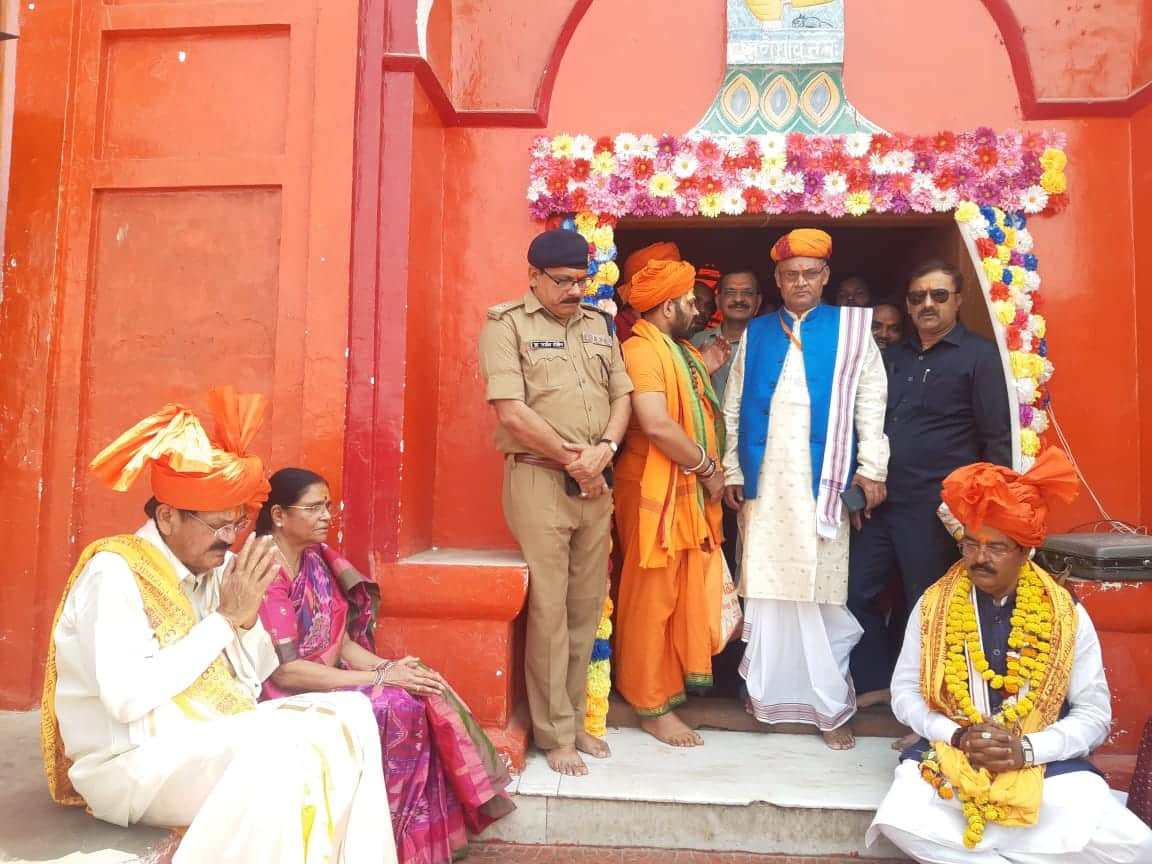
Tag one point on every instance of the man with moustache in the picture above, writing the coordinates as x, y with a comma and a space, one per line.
887, 325
157, 657
804, 413
947, 407
669, 485
1002, 679
556, 380
738, 296
705, 306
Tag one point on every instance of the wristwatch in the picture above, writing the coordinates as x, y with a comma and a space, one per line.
612, 445
1027, 752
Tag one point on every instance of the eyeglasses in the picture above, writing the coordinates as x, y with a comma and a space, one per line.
971, 548
313, 510
222, 532
792, 277
567, 283
938, 295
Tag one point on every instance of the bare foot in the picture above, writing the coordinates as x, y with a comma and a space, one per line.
565, 760
874, 697
840, 739
902, 744
671, 730
596, 747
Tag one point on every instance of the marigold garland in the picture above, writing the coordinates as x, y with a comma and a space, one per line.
1029, 647
599, 676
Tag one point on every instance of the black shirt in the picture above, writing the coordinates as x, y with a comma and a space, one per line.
947, 407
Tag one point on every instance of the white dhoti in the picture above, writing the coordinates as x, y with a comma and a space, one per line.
795, 582
1080, 822
296, 779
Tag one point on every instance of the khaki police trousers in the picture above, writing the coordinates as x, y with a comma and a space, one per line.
565, 542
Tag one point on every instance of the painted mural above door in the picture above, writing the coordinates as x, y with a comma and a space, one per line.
785, 61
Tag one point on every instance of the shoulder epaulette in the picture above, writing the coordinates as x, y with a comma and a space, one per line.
497, 311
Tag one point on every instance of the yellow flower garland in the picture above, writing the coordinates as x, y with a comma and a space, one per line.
1029, 648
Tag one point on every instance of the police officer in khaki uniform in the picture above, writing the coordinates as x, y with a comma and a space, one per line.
556, 378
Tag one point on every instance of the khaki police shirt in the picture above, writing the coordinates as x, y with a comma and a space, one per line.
568, 373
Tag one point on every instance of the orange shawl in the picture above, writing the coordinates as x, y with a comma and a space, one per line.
674, 513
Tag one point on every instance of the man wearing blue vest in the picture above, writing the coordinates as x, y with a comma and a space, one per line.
804, 410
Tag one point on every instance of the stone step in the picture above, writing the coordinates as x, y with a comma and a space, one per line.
744, 792
502, 853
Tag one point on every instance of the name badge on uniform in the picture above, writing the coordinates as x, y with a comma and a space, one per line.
598, 339
545, 343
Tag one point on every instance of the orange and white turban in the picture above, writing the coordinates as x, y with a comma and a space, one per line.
191, 470
802, 243
1017, 504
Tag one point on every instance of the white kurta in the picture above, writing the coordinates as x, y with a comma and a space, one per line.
798, 631
240, 782
1080, 820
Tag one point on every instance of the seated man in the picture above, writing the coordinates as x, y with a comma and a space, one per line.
1002, 676
156, 661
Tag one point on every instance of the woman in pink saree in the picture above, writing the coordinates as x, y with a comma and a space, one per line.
443, 775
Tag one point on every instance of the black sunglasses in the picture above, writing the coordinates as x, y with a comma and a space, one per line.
939, 295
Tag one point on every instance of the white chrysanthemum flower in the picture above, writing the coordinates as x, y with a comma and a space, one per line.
1023, 301
537, 188
1046, 375
1026, 390
857, 143
1033, 199
876, 164
835, 183
732, 145
732, 202
583, 147
541, 146
793, 182
899, 162
773, 143
1039, 423
776, 182
646, 145
685, 165
626, 145
944, 200
1026, 341
1031, 280
922, 181
1026, 463
1023, 241
976, 227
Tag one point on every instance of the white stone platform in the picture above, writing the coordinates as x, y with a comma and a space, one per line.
740, 792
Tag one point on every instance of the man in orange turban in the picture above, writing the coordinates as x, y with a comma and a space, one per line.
156, 661
1002, 677
662, 251
807, 456
668, 487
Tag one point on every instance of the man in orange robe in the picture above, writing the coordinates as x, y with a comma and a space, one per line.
668, 493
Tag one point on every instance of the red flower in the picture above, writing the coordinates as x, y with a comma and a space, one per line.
581, 168
835, 160
707, 150
603, 145
858, 181
607, 219
945, 179
882, 144
987, 249
796, 142
688, 184
1037, 302
752, 151
711, 185
1013, 339
754, 199
901, 141
1021, 318
998, 290
579, 199
986, 158
642, 168
944, 142
1058, 203
553, 222
858, 163
732, 164
1033, 142
921, 144
901, 183
557, 182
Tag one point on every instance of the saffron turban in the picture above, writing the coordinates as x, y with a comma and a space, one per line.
635, 262
190, 470
558, 248
803, 243
1017, 504
658, 281
708, 274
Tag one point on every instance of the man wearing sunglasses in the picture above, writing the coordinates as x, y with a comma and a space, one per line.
556, 380
947, 407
